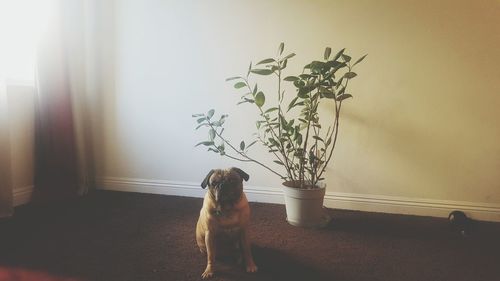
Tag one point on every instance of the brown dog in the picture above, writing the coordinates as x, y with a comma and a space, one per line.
225, 213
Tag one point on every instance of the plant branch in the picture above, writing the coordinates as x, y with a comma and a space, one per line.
241, 153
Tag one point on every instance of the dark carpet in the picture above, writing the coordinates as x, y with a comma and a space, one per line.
113, 236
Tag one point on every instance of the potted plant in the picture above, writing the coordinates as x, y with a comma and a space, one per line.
290, 127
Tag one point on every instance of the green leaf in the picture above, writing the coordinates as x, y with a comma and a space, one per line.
273, 142
201, 120
242, 145
306, 90
239, 85
299, 139
341, 92
222, 119
198, 115
335, 64
211, 134
254, 89
233, 78
249, 69
337, 56
318, 138
291, 78
346, 58
271, 109
205, 143
262, 71
201, 125
210, 113
283, 121
266, 61
328, 51
317, 65
328, 95
343, 97
328, 141
283, 65
350, 75
221, 149
292, 104
339, 83
280, 48
279, 162
260, 99
360, 59
289, 56
213, 149
252, 143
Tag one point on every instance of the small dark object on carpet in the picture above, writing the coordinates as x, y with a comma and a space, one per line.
460, 223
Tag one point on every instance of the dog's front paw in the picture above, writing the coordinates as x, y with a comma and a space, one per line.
209, 272
251, 267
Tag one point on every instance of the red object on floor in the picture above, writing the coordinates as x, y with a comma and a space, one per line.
19, 274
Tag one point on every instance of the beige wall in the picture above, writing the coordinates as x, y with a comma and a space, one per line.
422, 124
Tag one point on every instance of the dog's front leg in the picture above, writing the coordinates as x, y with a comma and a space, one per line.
247, 251
210, 244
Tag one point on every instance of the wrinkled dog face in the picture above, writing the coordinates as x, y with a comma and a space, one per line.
225, 186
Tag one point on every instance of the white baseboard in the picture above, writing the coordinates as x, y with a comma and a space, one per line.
187, 189
412, 206
22, 195
337, 200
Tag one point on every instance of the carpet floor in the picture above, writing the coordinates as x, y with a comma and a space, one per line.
114, 236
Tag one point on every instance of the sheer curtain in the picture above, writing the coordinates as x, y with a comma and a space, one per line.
55, 147
64, 165
58, 41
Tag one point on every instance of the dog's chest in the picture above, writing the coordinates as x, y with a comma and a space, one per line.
230, 230
229, 222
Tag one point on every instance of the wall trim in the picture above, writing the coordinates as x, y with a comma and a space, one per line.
22, 195
337, 200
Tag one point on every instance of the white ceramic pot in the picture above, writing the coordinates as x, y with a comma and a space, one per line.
304, 207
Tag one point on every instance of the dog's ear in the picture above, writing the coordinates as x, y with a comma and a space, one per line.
205, 182
242, 174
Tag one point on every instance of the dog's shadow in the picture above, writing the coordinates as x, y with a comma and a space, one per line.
274, 265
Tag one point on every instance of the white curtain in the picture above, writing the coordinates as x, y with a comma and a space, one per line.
5, 158
68, 65
83, 28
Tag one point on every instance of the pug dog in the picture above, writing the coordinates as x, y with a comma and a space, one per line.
225, 214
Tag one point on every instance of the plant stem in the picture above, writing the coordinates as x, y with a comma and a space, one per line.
241, 153
281, 149
336, 129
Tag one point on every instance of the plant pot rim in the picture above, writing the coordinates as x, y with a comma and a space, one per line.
291, 184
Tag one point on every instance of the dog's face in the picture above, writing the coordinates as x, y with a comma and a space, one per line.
225, 186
